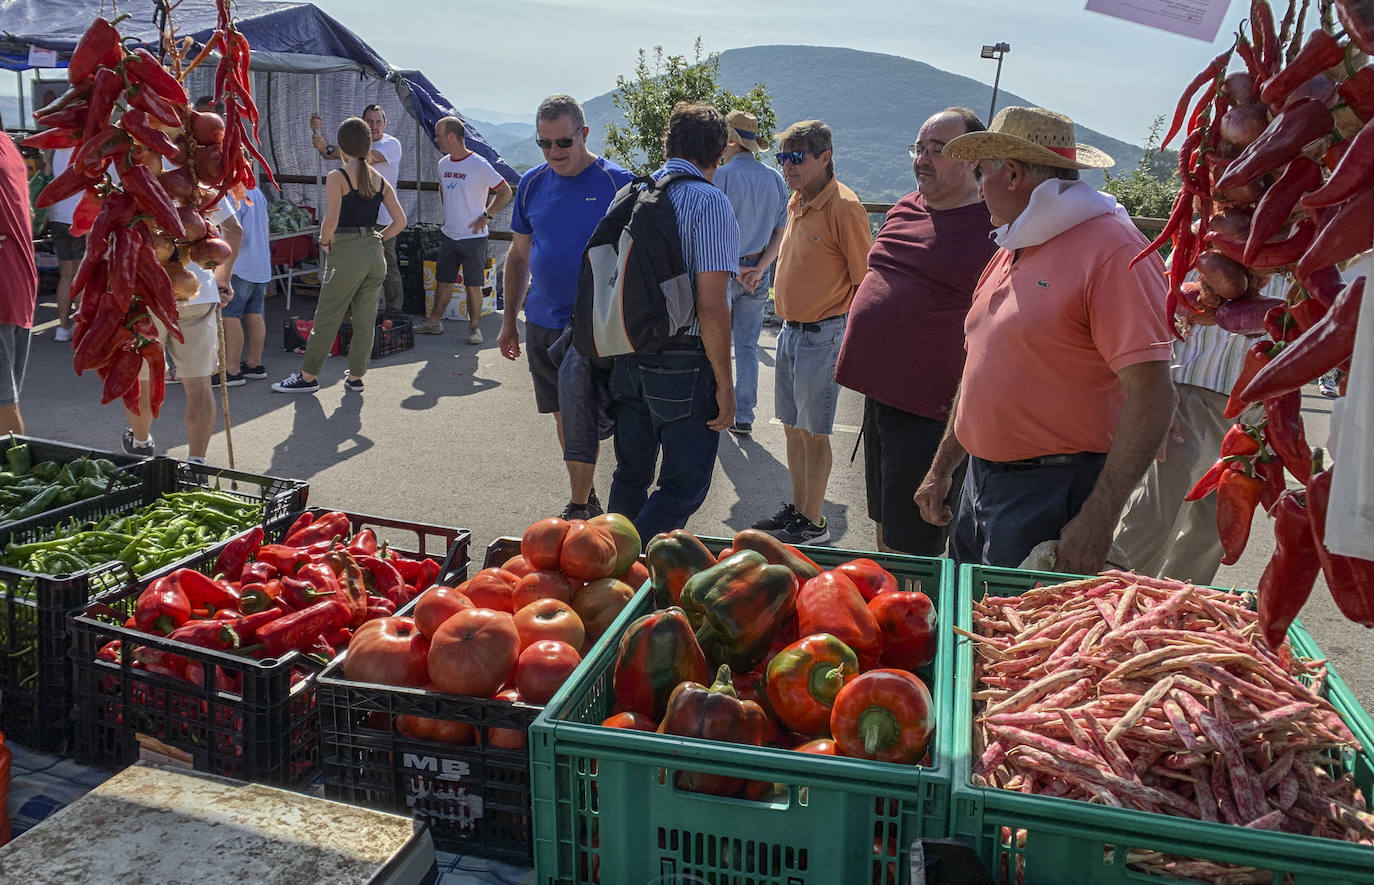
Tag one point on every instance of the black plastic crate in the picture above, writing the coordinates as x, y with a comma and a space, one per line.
129, 475
35, 675
385, 341
254, 720
475, 798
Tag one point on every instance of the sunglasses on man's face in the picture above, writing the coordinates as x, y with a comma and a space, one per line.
796, 158
546, 143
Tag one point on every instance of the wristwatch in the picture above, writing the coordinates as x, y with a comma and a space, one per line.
486, 215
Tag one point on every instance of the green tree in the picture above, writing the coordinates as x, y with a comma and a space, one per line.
1150, 188
647, 100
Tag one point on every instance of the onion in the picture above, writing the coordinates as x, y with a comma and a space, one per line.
1240, 88
1244, 123
209, 163
1320, 87
163, 248
185, 286
1231, 223
207, 128
1223, 276
1244, 195
210, 252
194, 222
179, 184
1188, 295
1245, 315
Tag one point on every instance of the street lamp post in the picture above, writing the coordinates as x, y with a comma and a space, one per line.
997, 50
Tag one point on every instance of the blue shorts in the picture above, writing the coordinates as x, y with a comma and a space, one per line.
805, 392
248, 298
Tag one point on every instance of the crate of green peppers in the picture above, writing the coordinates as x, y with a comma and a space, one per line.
57, 562
38, 476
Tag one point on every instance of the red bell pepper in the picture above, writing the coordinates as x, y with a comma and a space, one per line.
300, 522
885, 715
871, 578
657, 653
325, 527
1349, 578
364, 543
298, 631
830, 603
714, 713
203, 591
212, 634
284, 558
161, 608
736, 605
383, 579
1238, 494
1240, 440
352, 589
161, 663
907, 621
805, 677
258, 572
237, 552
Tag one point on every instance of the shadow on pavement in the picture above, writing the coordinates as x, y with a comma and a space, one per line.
448, 374
313, 433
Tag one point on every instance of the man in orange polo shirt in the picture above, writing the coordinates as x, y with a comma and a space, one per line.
1066, 393
822, 260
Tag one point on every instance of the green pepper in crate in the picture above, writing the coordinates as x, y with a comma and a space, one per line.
737, 605
19, 458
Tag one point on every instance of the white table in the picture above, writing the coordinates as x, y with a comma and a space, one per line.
287, 272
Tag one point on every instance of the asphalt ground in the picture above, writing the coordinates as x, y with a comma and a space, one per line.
447, 433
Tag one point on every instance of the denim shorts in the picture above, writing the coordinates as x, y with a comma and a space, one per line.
248, 298
805, 392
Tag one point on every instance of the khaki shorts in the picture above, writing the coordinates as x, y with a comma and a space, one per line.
198, 355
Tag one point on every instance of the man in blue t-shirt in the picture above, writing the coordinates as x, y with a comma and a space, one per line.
557, 206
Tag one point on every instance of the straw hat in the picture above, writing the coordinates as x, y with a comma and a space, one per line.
1031, 135
744, 131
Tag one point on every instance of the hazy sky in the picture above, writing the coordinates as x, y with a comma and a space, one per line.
506, 55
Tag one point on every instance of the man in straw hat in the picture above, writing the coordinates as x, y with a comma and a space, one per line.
758, 195
1065, 395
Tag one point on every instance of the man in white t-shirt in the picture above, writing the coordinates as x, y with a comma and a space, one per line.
386, 159
466, 181
197, 357
69, 249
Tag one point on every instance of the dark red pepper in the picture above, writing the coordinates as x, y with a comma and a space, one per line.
1329, 342
1354, 173
1270, 469
161, 608
1349, 578
151, 197
1284, 432
157, 367
1297, 126
85, 213
237, 552
98, 46
108, 85
1346, 233
71, 180
76, 92
1357, 91
144, 68
1238, 494
204, 591
1292, 570
1278, 202
298, 630
1320, 52
135, 122
119, 376
158, 289
1273, 253
302, 594
1259, 353
386, 581
145, 99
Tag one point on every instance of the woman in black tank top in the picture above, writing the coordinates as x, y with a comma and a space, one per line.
354, 265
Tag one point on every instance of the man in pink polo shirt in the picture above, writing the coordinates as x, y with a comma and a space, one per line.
1066, 394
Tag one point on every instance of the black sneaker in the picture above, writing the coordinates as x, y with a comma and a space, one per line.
353, 384
146, 449
594, 504
255, 372
742, 428
804, 531
577, 511
778, 521
234, 380
296, 383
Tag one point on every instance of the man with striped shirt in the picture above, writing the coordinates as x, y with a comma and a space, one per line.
679, 399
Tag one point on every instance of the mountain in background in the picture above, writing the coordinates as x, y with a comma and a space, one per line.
874, 103
491, 116
9, 111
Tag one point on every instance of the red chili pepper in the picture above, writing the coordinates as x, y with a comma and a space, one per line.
1292, 570
1278, 202
152, 198
1329, 342
364, 543
1349, 578
135, 122
1270, 469
158, 289
204, 591
144, 68
108, 85
325, 527
99, 46
301, 522
1357, 91
1320, 52
248, 627
1297, 126
1209, 74
386, 581
1284, 432
119, 376
1266, 41
1271, 254
157, 367
1254, 66
71, 180
161, 608
1182, 213
1238, 494
285, 559
1345, 234
73, 117
212, 634
237, 552
297, 631
1239, 441
1307, 312
54, 139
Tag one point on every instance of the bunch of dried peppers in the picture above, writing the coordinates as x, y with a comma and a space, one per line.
1277, 166
125, 116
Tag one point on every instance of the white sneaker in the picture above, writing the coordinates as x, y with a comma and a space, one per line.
474, 336
62, 333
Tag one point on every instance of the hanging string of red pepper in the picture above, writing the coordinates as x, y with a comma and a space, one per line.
123, 115
1277, 166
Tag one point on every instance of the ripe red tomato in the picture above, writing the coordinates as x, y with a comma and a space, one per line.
390, 651
549, 619
637, 575
517, 565
626, 538
589, 553
509, 738
491, 588
598, 603
907, 620
543, 667
632, 721
542, 542
542, 584
436, 605
474, 652
386, 325
442, 730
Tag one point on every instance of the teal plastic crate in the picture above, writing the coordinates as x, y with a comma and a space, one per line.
606, 809
1040, 840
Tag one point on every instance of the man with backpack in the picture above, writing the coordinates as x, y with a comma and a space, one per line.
670, 380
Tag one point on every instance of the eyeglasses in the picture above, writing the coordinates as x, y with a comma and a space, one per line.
935, 150
796, 158
546, 143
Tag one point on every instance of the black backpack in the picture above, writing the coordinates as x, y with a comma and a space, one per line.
634, 292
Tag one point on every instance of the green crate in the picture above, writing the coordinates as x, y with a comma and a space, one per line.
606, 809
1057, 841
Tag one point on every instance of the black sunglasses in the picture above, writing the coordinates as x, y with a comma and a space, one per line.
796, 158
546, 143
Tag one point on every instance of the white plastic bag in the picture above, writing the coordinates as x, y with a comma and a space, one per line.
1350, 518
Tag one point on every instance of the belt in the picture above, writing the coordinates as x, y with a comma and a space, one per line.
355, 230
753, 257
811, 327
1047, 461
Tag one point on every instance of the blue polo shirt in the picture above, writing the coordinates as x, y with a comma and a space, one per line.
559, 214
759, 197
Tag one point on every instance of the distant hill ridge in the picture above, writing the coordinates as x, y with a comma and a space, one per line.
873, 102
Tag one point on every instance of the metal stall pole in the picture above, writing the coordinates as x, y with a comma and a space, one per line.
419, 191
23, 117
